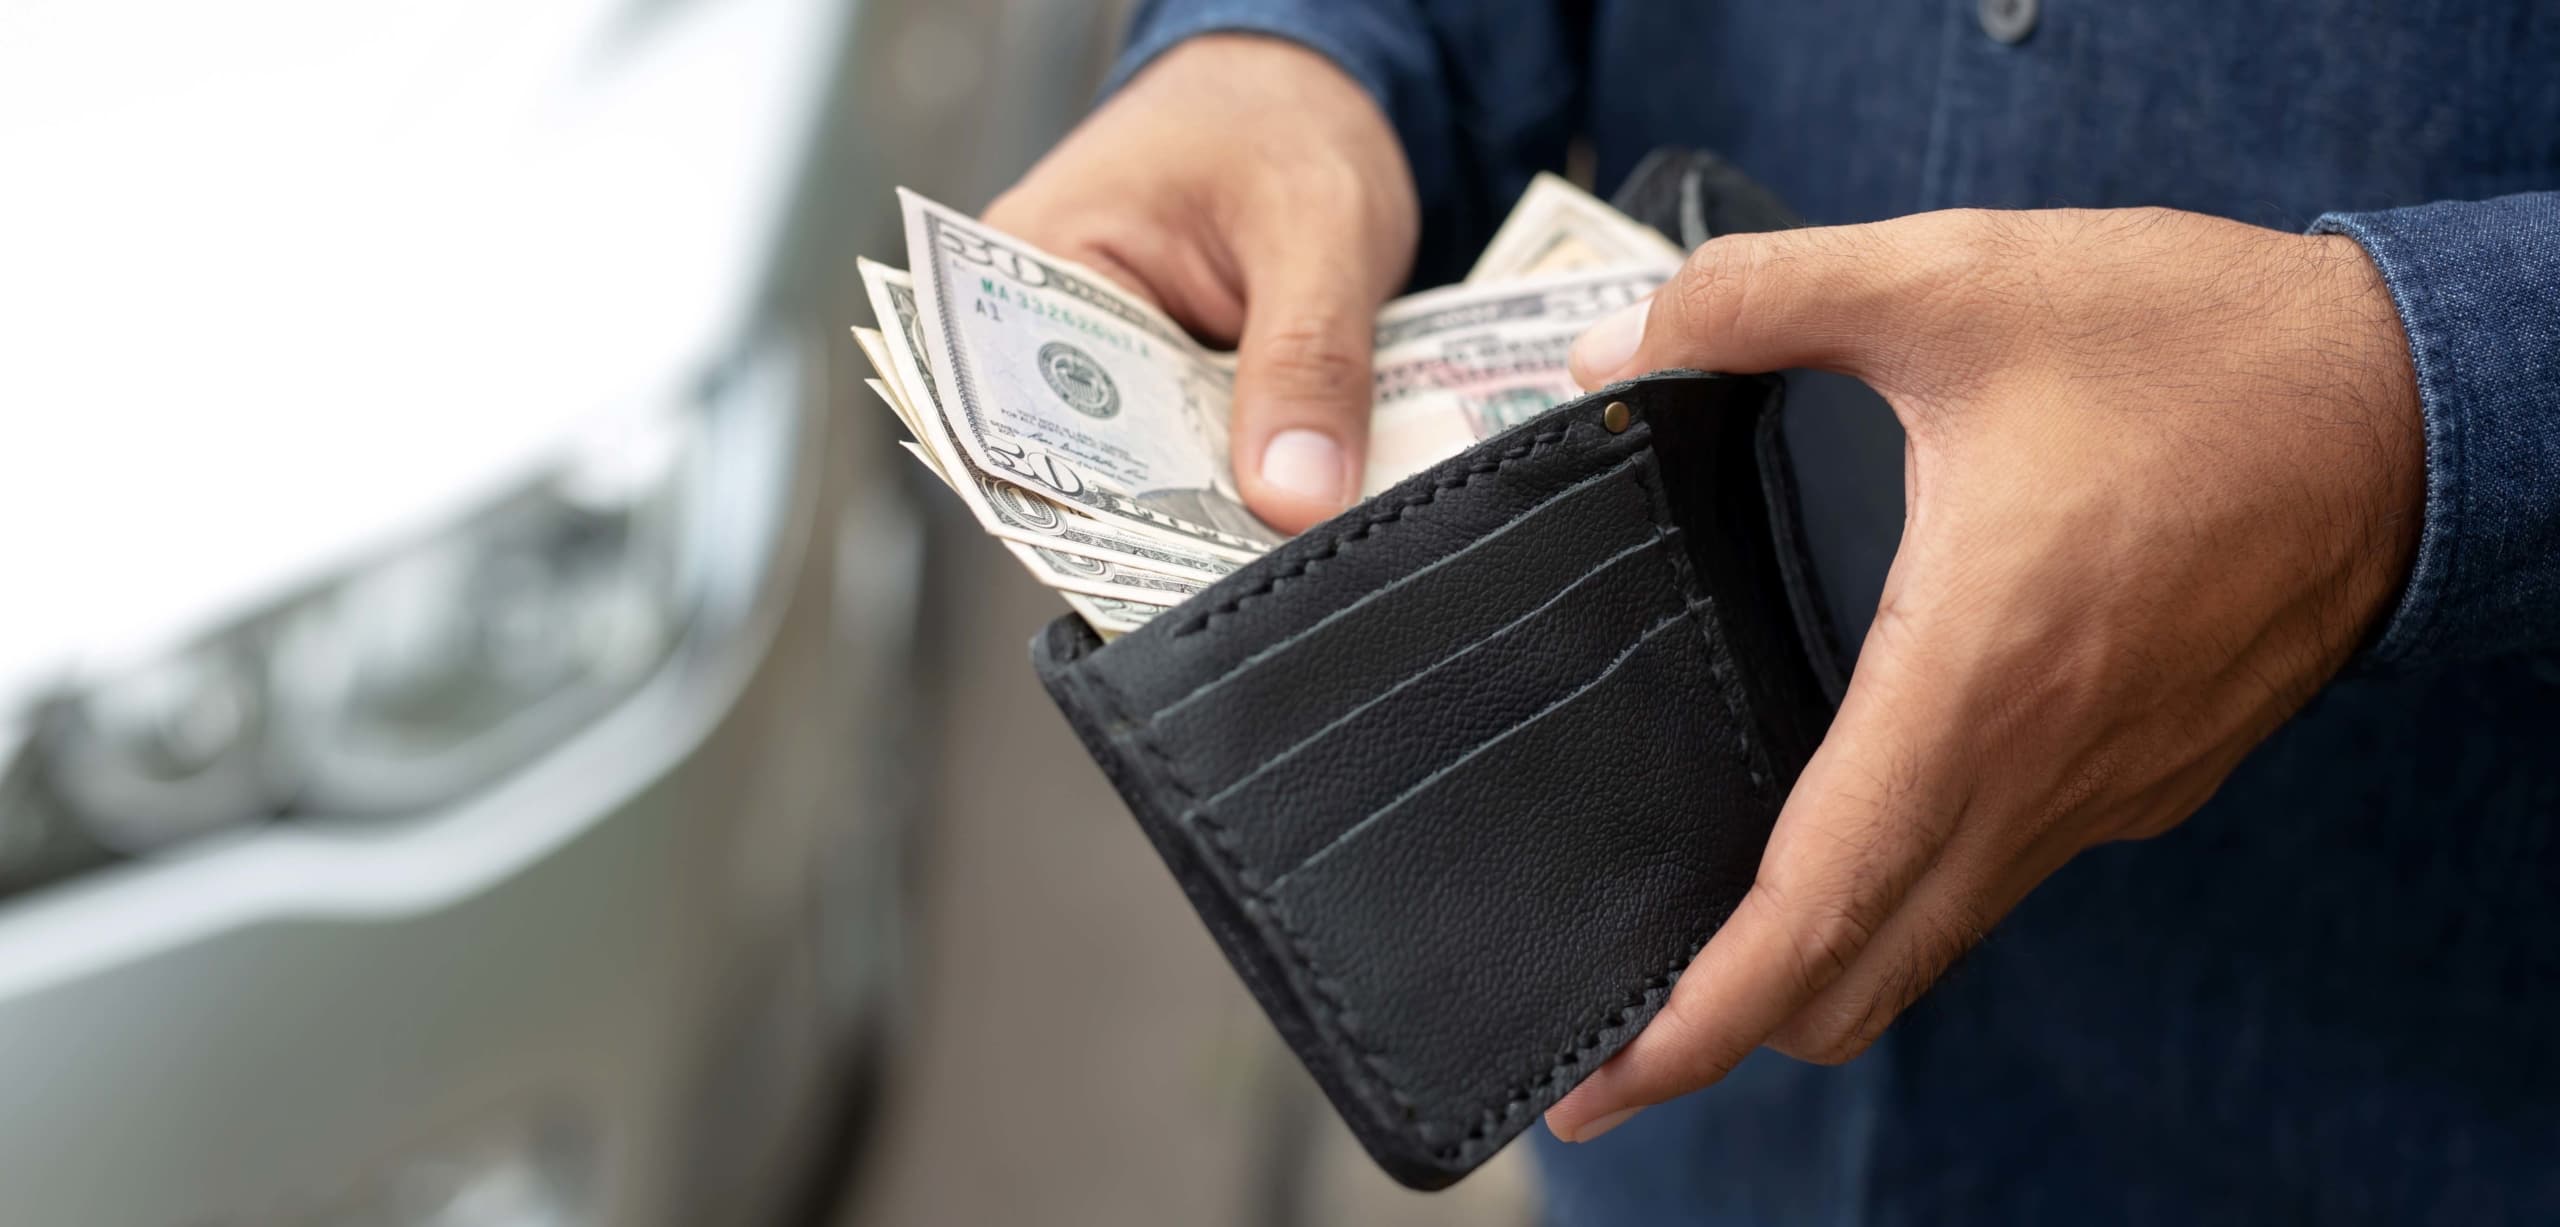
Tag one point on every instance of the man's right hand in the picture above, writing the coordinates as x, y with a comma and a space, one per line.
1255, 192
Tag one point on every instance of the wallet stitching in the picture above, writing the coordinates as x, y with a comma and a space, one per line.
1295, 637
1645, 994
1586, 1035
1653, 542
1418, 787
1328, 995
1332, 1010
1719, 663
1377, 518
1329, 999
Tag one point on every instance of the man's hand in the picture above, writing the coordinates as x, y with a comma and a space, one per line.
1252, 190
2165, 474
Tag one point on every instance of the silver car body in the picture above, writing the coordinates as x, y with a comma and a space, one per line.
623, 978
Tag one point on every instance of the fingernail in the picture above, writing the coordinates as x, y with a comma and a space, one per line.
1602, 1124
1611, 343
1307, 463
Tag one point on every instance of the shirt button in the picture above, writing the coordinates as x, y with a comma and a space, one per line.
2010, 21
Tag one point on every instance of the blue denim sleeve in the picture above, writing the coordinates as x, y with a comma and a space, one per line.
1481, 92
2478, 289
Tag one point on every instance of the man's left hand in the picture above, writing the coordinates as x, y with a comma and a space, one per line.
2165, 474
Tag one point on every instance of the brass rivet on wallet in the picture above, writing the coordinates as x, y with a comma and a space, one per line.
1617, 416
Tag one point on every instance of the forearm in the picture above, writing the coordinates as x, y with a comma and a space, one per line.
2477, 286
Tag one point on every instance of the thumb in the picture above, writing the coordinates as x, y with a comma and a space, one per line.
1747, 303
1303, 388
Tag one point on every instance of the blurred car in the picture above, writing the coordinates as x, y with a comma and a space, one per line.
454, 650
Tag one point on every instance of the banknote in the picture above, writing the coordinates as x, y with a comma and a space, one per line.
1051, 377
900, 407
1111, 617
1088, 432
923, 457
1467, 362
1006, 510
1558, 228
1070, 572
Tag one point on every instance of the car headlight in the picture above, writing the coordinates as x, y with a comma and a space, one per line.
428, 672
440, 667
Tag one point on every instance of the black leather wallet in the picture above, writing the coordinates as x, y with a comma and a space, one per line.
1461, 779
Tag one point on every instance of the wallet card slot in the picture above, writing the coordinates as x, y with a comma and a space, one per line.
1441, 711
1232, 723
1645, 775
1681, 621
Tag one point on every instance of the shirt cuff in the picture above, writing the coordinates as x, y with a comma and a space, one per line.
2473, 282
1382, 44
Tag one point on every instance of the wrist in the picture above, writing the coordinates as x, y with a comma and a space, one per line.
2355, 330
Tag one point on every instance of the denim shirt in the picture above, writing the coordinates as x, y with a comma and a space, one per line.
2330, 995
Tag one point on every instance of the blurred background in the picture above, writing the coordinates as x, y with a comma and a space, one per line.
492, 734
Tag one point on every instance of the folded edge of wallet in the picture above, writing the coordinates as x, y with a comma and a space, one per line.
1490, 929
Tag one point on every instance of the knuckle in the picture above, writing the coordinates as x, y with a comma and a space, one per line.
1895, 631
1984, 232
1329, 186
1317, 207
1831, 1030
1839, 1052
2100, 773
1826, 932
1943, 937
1695, 1036
1840, 1026
1830, 1041
1987, 238
1305, 359
1709, 293
2135, 222
1971, 254
1947, 938
1825, 947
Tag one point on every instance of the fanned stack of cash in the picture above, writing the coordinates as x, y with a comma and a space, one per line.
1088, 432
